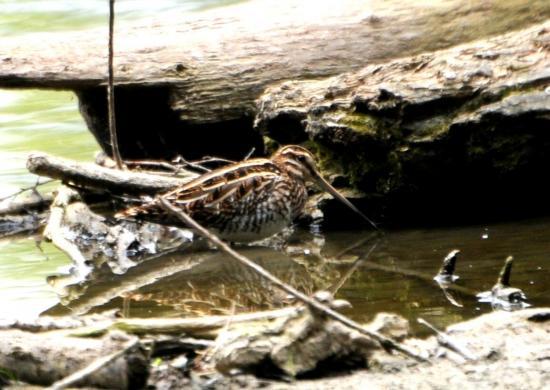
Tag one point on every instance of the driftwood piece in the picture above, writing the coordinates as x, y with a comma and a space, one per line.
98, 325
94, 176
23, 213
205, 327
54, 229
12, 225
438, 129
206, 69
44, 358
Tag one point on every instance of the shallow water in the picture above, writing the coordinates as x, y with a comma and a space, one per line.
395, 277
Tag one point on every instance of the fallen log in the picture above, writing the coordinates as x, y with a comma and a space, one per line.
442, 131
204, 71
44, 358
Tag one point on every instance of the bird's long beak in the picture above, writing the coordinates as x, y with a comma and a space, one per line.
325, 185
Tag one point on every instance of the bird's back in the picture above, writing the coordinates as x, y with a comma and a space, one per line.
244, 201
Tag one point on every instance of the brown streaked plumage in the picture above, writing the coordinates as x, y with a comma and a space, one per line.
245, 201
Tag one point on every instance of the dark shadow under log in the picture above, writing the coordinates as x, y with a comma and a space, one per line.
149, 129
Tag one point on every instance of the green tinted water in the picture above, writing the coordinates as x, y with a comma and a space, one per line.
37, 120
45, 121
49, 121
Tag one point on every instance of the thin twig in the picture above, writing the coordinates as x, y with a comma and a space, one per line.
95, 366
199, 164
210, 159
192, 164
24, 189
177, 165
111, 92
384, 341
152, 164
355, 245
444, 340
249, 154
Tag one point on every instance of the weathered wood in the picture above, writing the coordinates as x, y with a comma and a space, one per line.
95, 176
43, 358
225, 56
94, 325
206, 327
206, 69
434, 130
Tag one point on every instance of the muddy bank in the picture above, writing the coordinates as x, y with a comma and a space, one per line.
508, 350
513, 351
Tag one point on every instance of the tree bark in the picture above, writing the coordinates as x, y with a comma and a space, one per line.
450, 133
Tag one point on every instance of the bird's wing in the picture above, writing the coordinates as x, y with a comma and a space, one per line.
211, 190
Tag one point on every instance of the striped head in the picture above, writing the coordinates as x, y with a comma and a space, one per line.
297, 161
299, 164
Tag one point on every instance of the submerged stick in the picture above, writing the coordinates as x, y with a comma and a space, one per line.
10, 205
505, 272
32, 188
447, 270
384, 341
25, 205
110, 90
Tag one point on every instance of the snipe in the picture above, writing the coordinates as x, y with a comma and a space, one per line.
245, 201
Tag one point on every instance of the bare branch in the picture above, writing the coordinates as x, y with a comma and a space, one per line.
316, 305
92, 175
110, 90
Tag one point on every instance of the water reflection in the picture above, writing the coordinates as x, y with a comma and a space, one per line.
396, 277
185, 284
